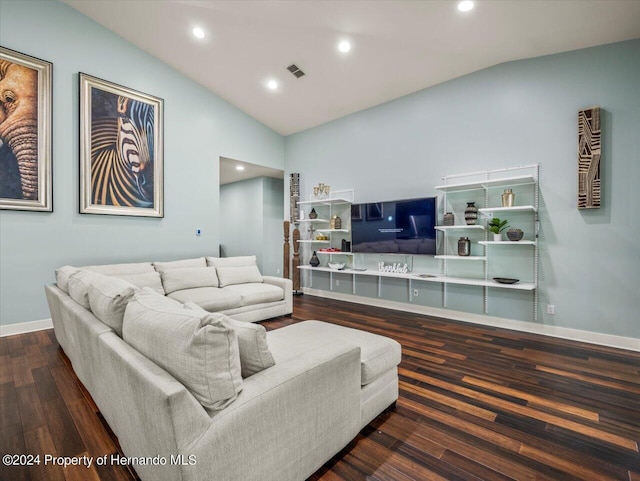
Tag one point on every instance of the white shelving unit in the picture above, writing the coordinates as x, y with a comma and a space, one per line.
339, 203
486, 185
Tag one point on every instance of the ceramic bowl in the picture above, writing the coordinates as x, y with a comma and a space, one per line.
515, 234
336, 265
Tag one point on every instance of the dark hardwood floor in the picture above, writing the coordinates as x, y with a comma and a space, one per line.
476, 403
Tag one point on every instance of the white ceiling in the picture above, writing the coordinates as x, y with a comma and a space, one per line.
399, 46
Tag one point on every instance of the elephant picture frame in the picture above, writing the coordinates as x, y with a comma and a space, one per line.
121, 150
25, 132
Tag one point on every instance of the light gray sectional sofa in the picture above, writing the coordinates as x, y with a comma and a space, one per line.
209, 397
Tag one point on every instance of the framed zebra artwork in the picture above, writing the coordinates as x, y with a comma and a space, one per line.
121, 150
25, 132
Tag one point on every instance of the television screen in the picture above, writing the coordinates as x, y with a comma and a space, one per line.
395, 227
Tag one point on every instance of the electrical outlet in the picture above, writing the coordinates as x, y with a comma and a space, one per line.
551, 309
415, 293
277, 271
337, 282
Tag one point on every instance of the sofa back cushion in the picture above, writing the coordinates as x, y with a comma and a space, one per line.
238, 261
117, 269
255, 355
108, 298
180, 264
147, 279
188, 278
196, 348
62, 277
229, 276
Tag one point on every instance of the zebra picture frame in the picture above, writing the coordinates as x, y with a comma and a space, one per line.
25, 132
121, 150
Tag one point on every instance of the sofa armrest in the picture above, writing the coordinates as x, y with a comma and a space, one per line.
288, 420
286, 285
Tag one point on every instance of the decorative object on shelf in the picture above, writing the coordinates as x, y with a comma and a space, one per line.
294, 197
296, 260
508, 198
25, 126
313, 214
471, 213
448, 218
321, 191
589, 151
505, 280
322, 237
394, 268
496, 226
121, 150
464, 246
515, 234
337, 265
314, 261
346, 245
335, 222
286, 250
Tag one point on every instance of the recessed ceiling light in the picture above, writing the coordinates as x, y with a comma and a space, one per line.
465, 6
240, 168
198, 32
344, 46
272, 84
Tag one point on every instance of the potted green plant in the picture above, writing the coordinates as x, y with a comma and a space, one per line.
496, 226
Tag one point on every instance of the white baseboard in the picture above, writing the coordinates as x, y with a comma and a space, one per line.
22, 327
610, 340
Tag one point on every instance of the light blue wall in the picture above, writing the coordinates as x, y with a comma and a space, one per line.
251, 214
199, 128
517, 113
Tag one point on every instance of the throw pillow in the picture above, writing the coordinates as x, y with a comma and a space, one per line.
62, 277
79, 286
197, 349
255, 355
188, 278
108, 298
229, 276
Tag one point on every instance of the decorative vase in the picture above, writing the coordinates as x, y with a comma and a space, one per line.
508, 198
497, 237
464, 246
471, 213
314, 261
515, 234
448, 219
313, 214
335, 222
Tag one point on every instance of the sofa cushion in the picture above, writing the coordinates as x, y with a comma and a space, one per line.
180, 264
378, 354
197, 349
79, 286
148, 279
108, 298
211, 299
252, 341
256, 293
188, 277
229, 276
62, 277
237, 261
116, 269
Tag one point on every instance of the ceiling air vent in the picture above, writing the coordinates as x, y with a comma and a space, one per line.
293, 68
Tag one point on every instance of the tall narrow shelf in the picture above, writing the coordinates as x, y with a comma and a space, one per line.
483, 185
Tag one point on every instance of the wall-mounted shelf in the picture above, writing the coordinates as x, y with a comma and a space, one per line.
509, 243
313, 241
339, 253
463, 258
336, 201
459, 227
314, 220
485, 184
332, 230
523, 208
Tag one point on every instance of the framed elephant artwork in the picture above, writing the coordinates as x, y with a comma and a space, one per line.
121, 150
25, 132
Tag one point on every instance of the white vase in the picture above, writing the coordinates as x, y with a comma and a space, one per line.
497, 237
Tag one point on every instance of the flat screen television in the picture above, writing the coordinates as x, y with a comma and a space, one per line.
395, 227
